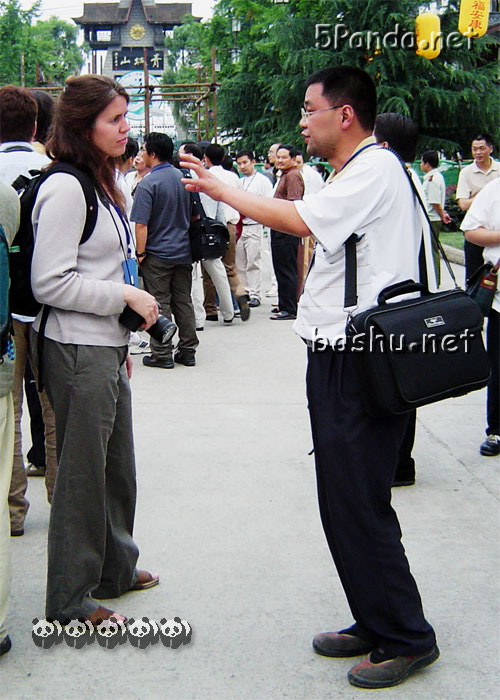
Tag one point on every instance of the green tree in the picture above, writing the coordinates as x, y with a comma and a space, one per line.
451, 97
36, 53
55, 51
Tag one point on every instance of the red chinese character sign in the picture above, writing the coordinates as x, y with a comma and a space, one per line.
473, 17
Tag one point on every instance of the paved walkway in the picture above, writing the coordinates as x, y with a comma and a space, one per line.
227, 515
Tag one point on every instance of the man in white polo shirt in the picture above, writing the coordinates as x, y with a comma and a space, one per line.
356, 455
435, 195
249, 245
471, 180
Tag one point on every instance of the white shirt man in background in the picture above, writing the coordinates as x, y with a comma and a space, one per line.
313, 182
213, 157
249, 245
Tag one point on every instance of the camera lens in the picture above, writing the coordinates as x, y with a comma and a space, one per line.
163, 330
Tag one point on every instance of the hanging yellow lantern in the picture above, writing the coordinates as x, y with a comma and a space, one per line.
473, 17
428, 31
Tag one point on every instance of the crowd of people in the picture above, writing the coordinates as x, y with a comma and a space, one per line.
138, 260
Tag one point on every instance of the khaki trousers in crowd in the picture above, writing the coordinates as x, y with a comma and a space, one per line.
18, 503
235, 283
6, 453
249, 259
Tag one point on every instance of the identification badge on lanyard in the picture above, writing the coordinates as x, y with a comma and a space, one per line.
131, 271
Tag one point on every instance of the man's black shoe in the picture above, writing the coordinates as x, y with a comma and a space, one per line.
244, 307
491, 446
404, 479
283, 316
212, 317
5, 645
340, 645
185, 358
151, 361
254, 302
376, 671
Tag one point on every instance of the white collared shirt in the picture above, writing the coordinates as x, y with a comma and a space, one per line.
472, 179
372, 198
256, 184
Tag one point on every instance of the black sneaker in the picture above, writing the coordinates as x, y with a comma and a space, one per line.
254, 302
183, 357
491, 446
151, 361
5, 645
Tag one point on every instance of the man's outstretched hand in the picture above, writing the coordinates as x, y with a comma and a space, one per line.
207, 183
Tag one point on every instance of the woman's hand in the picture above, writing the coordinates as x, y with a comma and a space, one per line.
144, 303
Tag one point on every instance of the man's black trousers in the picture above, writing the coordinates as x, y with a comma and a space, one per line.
284, 248
356, 458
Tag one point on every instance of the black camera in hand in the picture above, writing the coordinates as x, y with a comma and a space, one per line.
162, 331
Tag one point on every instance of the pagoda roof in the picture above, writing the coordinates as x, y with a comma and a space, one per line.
119, 12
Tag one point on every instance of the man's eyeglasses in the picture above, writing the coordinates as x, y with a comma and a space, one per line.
305, 114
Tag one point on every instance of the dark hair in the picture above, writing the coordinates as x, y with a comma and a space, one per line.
46, 107
193, 148
486, 138
400, 132
245, 152
293, 152
352, 86
18, 112
84, 97
159, 144
215, 153
321, 169
431, 158
131, 149
227, 164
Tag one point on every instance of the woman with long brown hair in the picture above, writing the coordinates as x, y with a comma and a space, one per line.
86, 368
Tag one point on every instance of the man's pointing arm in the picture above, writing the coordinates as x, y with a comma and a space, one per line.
278, 214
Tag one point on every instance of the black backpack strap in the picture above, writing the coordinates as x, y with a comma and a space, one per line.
351, 272
40, 344
89, 191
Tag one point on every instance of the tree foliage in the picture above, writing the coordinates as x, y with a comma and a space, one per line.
36, 52
267, 49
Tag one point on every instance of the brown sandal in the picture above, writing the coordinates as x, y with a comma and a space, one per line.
145, 580
101, 613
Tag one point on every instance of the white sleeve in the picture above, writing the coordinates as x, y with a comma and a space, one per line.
345, 206
478, 214
463, 190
